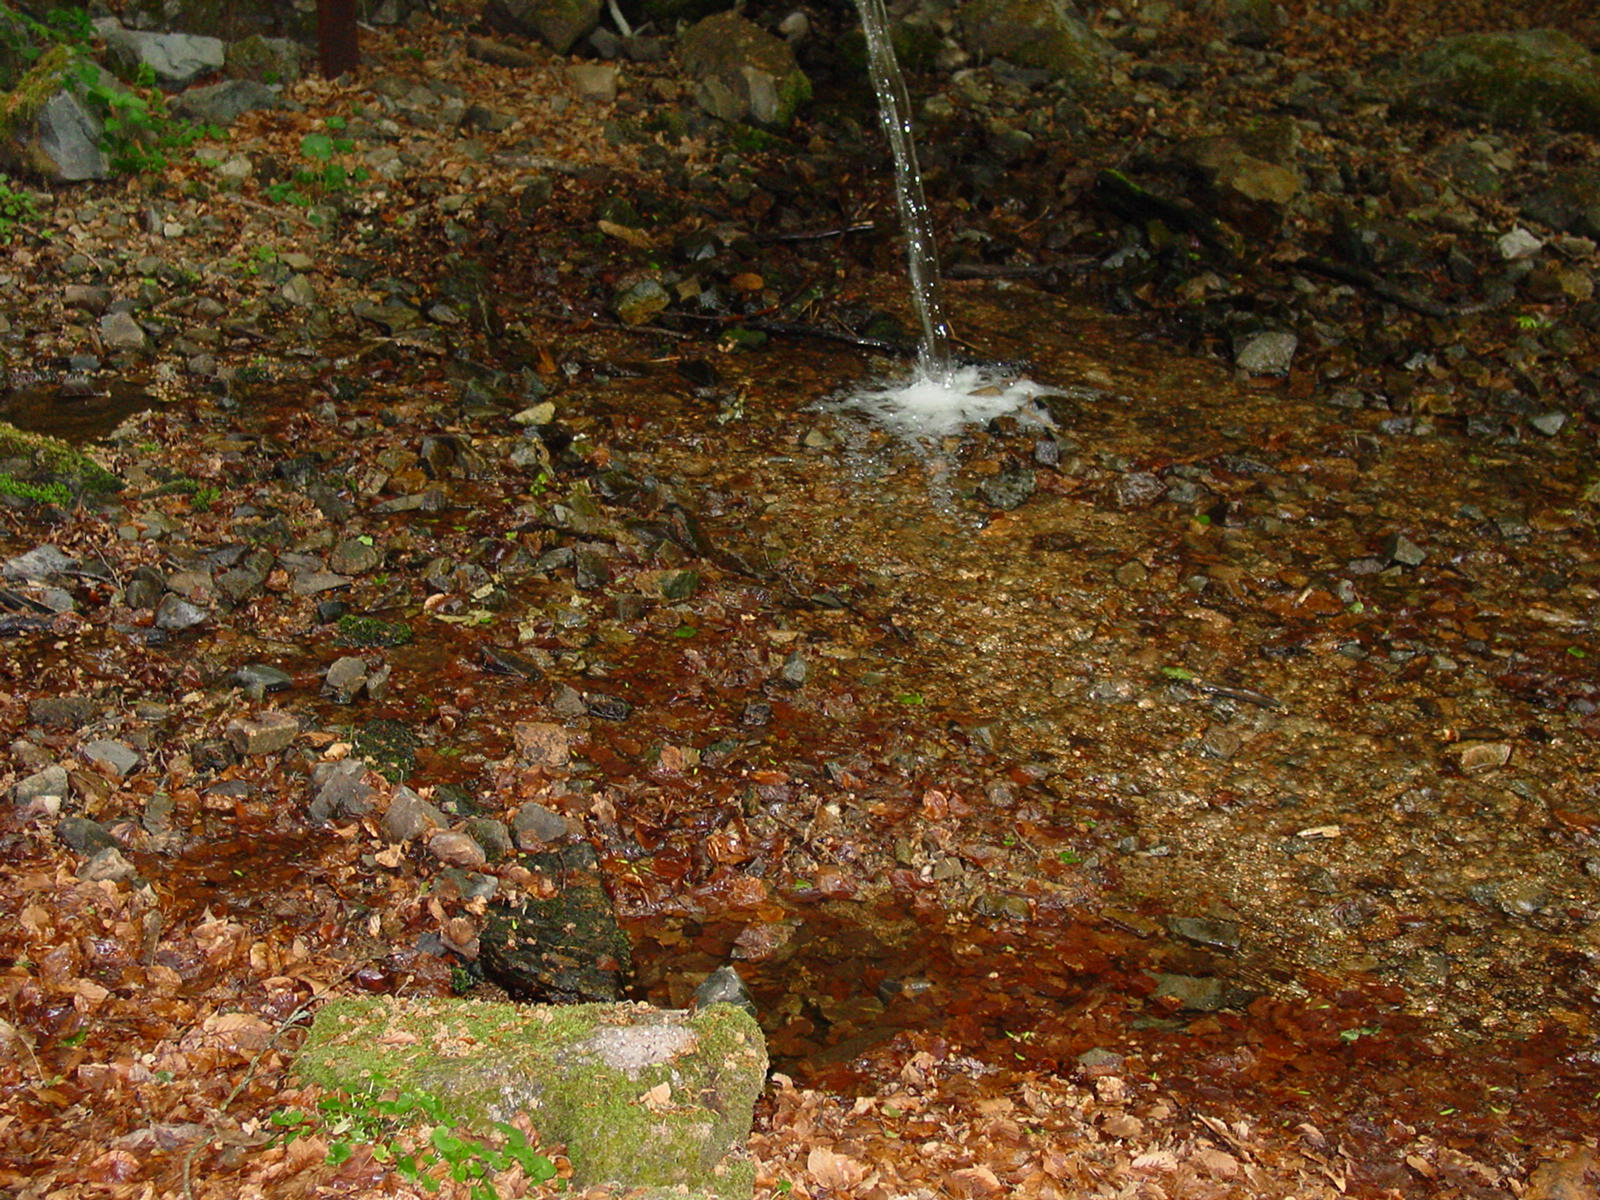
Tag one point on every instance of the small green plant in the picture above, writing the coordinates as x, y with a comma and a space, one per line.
16, 209
1532, 322
137, 128
324, 174
413, 1134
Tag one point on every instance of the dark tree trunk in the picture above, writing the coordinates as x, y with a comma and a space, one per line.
336, 37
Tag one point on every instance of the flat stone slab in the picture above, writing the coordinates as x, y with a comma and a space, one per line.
642, 1097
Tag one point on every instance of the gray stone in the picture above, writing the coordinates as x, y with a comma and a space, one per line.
341, 790
457, 849
107, 864
492, 835
223, 103
176, 614
118, 757
1400, 550
557, 23
1207, 931
46, 783
741, 72
264, 732
86, 297
299, 291
1191, 992
1267, 353
536, 826
1549, 423
121, 331
177, 59
61, 712
410, 816
62, 142
261, 678
1008, 489
1137, 489
354, 556
38, 564
344, 678
85, 836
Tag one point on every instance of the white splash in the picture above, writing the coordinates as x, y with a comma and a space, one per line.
929, 406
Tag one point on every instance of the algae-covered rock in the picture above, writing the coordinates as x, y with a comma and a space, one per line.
38, 459
1046, 34
1525, 79
742, 72
641, 1097
557, 23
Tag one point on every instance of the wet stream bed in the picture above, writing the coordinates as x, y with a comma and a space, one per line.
1232, 737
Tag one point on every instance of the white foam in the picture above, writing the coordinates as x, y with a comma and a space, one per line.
930, 406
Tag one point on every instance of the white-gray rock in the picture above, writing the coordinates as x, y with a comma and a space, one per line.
1268, 353
177, 59
120, 331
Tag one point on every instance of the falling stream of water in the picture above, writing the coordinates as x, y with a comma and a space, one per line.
941, 395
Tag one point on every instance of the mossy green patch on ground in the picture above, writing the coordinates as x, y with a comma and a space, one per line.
41, 460
641, 1097
356, 630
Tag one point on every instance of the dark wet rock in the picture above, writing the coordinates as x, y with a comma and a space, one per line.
1196, 993
389, 746
1009, 489
536, 826
468, 885
410, 816
85, 836
590, 569
47, 783
1220, 742
1002, 906
340, 791
678, 586
1250, 183
741, 72
724, 986
213, 754
264, 732
457, 848
260, 679
1045, 34
242, 582
1113, 691
224, 103
344, 678
1268, 353
61, 712
567, 948
557, 23
1527, 79
507, 662
175, 614
1137, 489
542, 743
640, 302
1400, 550
176, 59
795, 670
607, 708
1098, 1062
1131, 574
117, 757
1206, 931
567, 701
121, 331
755, 714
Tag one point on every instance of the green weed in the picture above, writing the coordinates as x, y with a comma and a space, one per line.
414, 1135
323, 172
16, 208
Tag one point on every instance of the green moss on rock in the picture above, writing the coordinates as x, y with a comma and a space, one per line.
1529, 78
37, 458
641, 1097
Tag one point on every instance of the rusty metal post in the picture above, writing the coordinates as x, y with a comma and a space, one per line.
336, 37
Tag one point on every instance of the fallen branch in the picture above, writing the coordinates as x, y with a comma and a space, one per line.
1426, 306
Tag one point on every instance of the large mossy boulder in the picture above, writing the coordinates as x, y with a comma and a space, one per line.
1046, 34
46, 127
741, 72
641, 1097
556, 23
1525, 79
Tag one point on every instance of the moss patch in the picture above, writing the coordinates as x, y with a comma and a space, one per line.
641, 1097
41, 460
1526, 79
